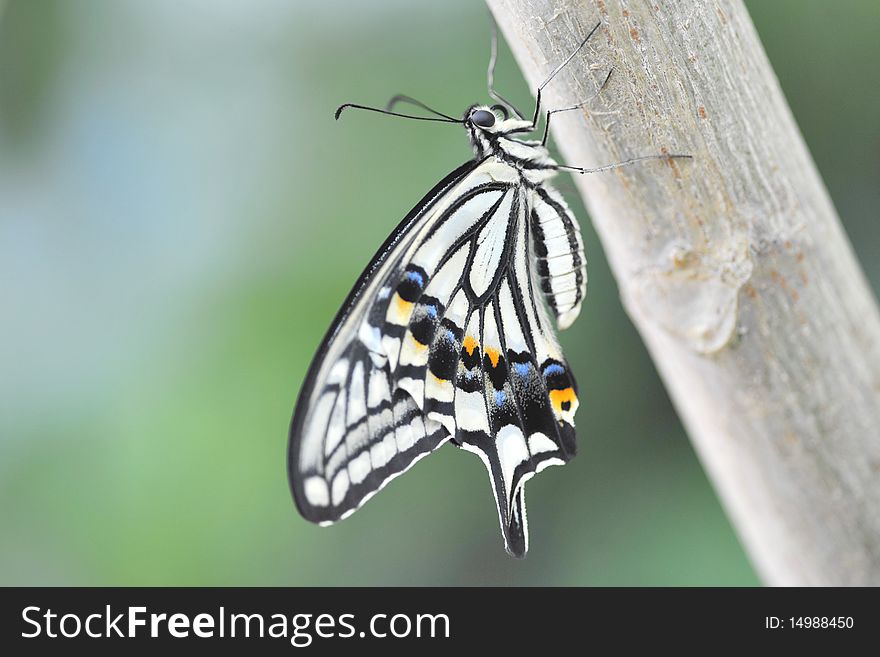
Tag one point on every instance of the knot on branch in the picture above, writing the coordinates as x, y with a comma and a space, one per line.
694, 293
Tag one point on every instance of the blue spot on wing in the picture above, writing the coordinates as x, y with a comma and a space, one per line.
553, 368
522, 369
416, 278
431, 310
500, 397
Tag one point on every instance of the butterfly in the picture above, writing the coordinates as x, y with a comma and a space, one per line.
448, 334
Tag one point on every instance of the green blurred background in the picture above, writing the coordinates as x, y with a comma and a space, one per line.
179, 219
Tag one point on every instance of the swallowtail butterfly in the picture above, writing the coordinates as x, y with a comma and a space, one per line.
446, 335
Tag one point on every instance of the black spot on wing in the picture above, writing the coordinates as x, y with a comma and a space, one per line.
393, 330
469, 379
425, 319
531, 394
415, 372
412, 283
495, 369
436, 406
376, 312
443, 359
558, 377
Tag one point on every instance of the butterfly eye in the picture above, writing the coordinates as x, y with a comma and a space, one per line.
483, 118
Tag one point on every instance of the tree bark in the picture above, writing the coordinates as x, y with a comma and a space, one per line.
733, 266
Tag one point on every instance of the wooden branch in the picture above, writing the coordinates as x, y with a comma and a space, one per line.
733, 266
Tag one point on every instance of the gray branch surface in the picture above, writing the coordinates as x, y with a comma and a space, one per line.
733, 266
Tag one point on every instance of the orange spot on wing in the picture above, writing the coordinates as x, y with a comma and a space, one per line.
469, 344
493, 355
399, 311
559, 397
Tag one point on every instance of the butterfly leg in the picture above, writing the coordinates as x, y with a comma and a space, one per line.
632, 160
573, 107
553, 74
537, 113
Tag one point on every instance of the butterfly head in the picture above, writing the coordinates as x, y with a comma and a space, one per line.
485, 123
492, 119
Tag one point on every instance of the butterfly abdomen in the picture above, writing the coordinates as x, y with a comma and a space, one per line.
560, 264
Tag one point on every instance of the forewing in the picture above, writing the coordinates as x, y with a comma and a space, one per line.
354, 428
